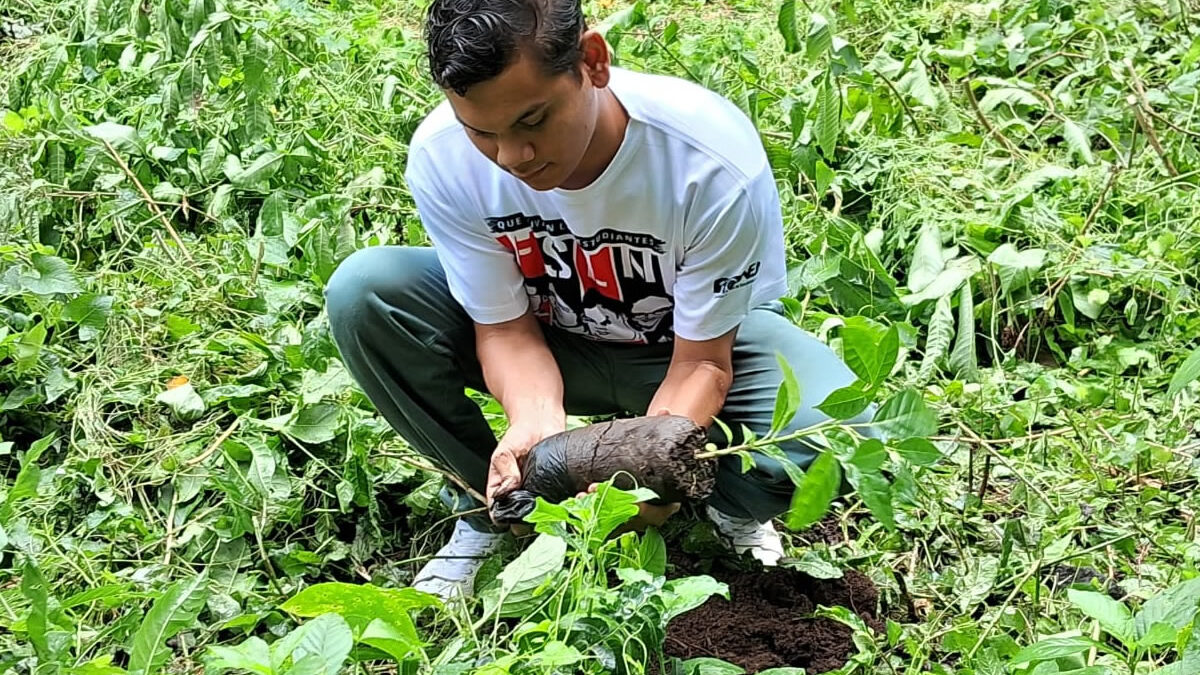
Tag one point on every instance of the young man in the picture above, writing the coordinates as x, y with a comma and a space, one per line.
604, 241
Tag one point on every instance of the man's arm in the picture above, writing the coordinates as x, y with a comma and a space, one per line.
520, 372
697, 379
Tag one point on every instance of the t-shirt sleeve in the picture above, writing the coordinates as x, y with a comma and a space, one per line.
482, 274
734, 261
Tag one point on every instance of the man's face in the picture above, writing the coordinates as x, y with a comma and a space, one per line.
533, 125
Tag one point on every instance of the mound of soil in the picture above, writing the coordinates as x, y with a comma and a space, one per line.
768, 622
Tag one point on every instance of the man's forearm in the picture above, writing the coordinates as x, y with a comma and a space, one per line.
521, 373
693, 389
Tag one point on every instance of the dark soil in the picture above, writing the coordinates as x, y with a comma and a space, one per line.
768, 622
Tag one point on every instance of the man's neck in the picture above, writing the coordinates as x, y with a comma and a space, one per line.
606, 140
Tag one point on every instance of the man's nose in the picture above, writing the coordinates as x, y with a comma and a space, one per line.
515, 154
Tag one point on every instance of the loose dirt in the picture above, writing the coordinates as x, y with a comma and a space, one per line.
768, 622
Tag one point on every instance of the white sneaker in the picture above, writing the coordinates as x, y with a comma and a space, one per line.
747, 534
452, 569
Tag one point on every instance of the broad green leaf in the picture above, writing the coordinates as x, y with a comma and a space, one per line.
846, 403
180, 327
1011, 96
829, 117
1158, 634
174, 610
937, 342
915, 83
520, 580
787, 398
783, 671
314, 423
872, 361
397, 639
1114, 617
30, 475
919, 451
652, 553
876, 493
820, 38
869, 456
612, 507
359, 604
1016, 268
326, 641
704, 665
28, 348
1187, 373
252, 655
90, 312
786, 22
1052, 648
688, 593
947, 281
51, 275
905, 415
1078, 141
33, 587
183, 401
119, 136
259, 171
101, 665
814, 566
927, 258
815, 493
317, 386
212, 158
16, 124
258, 51
556, 654
962, 357
1175, 606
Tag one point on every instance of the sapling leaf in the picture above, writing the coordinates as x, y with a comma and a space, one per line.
871, 360
847, 402
937, 342
1016, 268
704, 665
523, 577
869, 456
905, 415
815, 492
919, 451
324, 643
397, 638
787, 398
820, 37
876, 493
34, 588
927, 259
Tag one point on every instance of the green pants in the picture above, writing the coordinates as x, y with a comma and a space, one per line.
411, 347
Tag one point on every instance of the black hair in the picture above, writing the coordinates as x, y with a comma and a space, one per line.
472, 41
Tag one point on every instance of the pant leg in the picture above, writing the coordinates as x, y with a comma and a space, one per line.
766, 491
411, 347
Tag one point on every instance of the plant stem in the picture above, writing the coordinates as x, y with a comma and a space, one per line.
772, 440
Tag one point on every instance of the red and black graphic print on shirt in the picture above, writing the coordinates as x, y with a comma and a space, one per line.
608, 286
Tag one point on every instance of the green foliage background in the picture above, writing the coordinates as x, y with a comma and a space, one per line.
1012, 185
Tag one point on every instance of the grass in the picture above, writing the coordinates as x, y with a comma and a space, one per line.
1062, 449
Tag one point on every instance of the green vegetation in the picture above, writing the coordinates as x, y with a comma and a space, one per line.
1003, 195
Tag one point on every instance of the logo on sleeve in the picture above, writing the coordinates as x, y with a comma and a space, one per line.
724, 285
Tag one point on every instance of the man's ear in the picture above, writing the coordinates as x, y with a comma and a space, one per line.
596, 58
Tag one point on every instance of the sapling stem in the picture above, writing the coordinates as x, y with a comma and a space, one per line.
774, 440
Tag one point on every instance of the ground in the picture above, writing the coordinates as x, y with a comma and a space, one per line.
1004, 191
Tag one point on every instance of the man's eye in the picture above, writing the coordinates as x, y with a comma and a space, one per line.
535, 124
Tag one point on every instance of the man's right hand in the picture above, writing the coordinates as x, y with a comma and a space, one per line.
504, 471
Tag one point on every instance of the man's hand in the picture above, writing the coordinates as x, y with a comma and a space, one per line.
504, 471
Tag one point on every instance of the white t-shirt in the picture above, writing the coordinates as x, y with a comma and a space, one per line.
681, 234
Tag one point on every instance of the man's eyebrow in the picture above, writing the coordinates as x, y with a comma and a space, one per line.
529, 111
